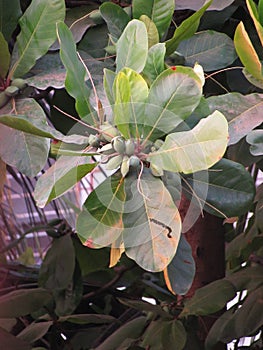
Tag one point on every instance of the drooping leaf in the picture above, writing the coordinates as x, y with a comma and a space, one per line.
159, 11
58, 266
34, 331
11, 342
209, 299
212, 50
100, 222
193, 150
23, 302
173, 96
152, 32
239, 109
255, 139
229, 190
76, 74
152, 222
115, 17
10, 13
186, 29
38, 32
181, 270
61, 177
132, 47
4, 56
155, 62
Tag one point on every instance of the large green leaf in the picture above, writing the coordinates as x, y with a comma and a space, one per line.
255, 139
100, 222
38, 32
243, 113
11, 342
193, 150
230, 187
212, 50
209, 299
159, 11
186, 29
57, 269
4, 57
10, 13
155, 62
23, 302
61, 177
173, 332
152, 32
132, 47
115, 17
173, 96
181, 270
34, 331
76, 74
152, 222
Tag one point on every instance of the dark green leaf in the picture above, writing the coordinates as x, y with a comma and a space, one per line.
154, 65
23, 302
186, 29
57, 269
181, 270
38, 32
87, 318
239, 110
209, 299
228, 191
132, 47
10, 13
255, 139
35, 331
4, 57
76, 74
159, 11
212, 50
10, 342
247, 278
173, 335
115, 17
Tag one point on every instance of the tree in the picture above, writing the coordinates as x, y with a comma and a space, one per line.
146, 100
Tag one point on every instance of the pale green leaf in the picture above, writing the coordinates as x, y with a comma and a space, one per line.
196, 149
61, 177
255, 139
38, 32
152, 222
4, 57
155, 62
108, 79
132, 47
159, 11
100, 222
76, 74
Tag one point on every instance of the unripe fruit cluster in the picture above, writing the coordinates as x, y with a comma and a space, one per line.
12, 90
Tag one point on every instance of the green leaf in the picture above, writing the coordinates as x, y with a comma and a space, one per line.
115, 17
228, 191
10, 342
76, 74
186, 29
238, 110
173, 96
181, 270
193, 150
173, 332
87, 318
256, 16
132, 47
38, 32
154, 65
247, 53
61, 177
248, 278
152, 222
212, 50
57, 269
35, 331
100, 222
255, 139
209, 299
152, 32
4, 57
159, 11
130, 92
108, 80
23, 302
10, 13
217, 5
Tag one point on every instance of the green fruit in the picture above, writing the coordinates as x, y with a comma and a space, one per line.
125, 166
94, 141
118, 143
134, 161
11, 91
110, 132
20, 83
114, 162
3, 99
130, 147
107, 149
